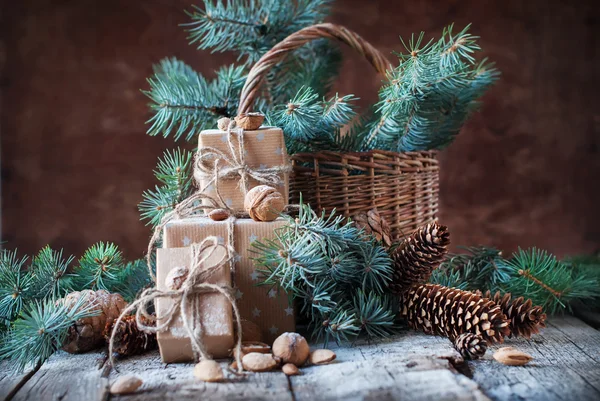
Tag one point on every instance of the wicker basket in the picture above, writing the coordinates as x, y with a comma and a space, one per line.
403, 186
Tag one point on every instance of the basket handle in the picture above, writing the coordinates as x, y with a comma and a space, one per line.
259, 71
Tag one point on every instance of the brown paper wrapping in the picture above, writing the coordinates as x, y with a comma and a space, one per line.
270, 309
265, 148
216, 313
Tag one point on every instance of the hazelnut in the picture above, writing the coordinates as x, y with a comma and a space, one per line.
208, 371
176, 278
321, 356
223, 123
291, 348
257, 362
250, 121
264, 203
219, 214
290, 369
126, 384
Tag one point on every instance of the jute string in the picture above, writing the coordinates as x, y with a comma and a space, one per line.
185, 301
235, 164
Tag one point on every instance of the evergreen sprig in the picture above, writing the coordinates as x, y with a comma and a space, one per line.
531, 273
16, 285
39, 331
50, 271
100, 267
339, 274
174, 171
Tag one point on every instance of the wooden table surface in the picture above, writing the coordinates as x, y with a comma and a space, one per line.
410, 366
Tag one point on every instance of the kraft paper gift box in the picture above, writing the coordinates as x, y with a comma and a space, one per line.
216, 314
270, 309
264, 148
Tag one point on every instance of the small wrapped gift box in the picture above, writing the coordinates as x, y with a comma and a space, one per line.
270, 309
212, 310
263, 151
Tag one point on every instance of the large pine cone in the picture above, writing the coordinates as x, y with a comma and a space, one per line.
87, 334
470, 346
372, 223
449, 312
418, 256
129, 339
525, 319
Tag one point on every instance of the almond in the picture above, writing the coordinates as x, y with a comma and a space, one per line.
512, 357
208, 371
321, 356
290, 369
219, 214
126, 384
257, 362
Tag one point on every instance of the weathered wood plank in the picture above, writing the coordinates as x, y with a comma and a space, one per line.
10, 383
565, 367
176, 382
408, 367
68, 377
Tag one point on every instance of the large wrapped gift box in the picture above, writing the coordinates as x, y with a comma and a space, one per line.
269, 308
215, 312
264, 148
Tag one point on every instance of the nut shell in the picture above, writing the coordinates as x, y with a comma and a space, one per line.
512, 357
322, 356
291, 348
264, 203
250, 121
290, 369
257, 362
126, 384
208, 371
223, 123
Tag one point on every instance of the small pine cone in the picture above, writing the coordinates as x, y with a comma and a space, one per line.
418, 256
449, 312
372, 223
86, 334
470, 346
525, 319
129, 339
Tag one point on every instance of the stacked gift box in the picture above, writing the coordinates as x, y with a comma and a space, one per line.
269, 309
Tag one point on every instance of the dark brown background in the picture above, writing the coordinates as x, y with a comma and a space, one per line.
75, 159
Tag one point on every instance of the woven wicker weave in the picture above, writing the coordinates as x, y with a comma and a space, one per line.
403, 186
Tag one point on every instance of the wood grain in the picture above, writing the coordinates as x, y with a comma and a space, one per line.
10, 382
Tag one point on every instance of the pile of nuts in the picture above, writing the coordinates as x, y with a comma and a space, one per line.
290, 351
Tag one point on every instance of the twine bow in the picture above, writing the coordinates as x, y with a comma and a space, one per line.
185, 300
235, 164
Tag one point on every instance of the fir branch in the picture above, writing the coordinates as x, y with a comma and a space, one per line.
133, 279
41, 330
16, 285
184, 102
100, 267
375, 314
49, 269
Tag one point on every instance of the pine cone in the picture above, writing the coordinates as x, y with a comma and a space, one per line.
86, 334
418, 255
524, 318
129, 339
470, 346
372, 223
449, 312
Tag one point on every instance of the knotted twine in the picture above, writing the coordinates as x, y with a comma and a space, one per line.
185, 301
235, 164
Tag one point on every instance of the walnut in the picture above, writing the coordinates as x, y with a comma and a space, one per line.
264, 203
223, 123
250, 121
291, 348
